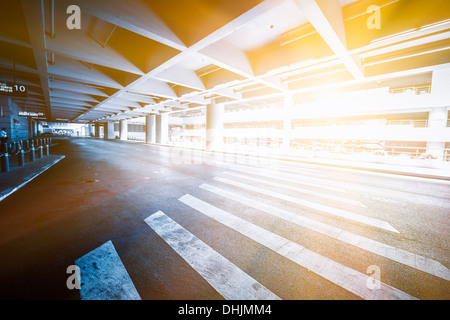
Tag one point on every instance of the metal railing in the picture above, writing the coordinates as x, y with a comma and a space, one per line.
34, 148
404, 122
413, 153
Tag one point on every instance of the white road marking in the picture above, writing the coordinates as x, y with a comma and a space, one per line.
345, 277
104, 277
296, 189
311, 205
288, 169
399, 255
225, 277
292, 178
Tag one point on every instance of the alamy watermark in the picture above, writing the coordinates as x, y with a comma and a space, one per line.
374, 21
73, 281
74, 20
374, 280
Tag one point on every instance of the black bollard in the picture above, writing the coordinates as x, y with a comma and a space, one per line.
21, 158
32, 155
40, 152
5, 162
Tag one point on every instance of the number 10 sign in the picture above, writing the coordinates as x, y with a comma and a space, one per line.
13, 90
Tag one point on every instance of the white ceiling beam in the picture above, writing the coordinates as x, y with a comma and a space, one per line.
78, 71
34, 16
123, 102
135, 16
75, 87
181, 76
224, 54
326, 17
157, 107
136, 97
141, 84
195, 99
228, 57
69, 101
78, 46
155, 87
55, 93
227, 92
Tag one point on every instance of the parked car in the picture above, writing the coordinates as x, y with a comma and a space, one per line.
428, 156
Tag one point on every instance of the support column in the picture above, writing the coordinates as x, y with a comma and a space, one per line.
214, 126
437, 119
108, 133
287, 122
35, 128
97, 130
150, 131
91, 131
438, 116
162, 128
123, 129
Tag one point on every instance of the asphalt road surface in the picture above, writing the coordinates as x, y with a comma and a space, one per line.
160, 223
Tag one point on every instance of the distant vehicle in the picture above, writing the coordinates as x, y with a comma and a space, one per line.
428, 156
375, 149
379, 152
48, 133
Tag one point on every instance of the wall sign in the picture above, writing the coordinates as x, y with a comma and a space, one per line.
30, 114
13, 90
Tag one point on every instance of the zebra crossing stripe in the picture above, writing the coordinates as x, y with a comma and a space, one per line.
345, 277
225, 277
296, 189
104, 277
288, 169
282, 169
312, 205
292, 178
399, 255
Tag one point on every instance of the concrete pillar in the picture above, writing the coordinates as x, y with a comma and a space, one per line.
108, 133
97, 130
32, 129
35, 128
437, 119
214, 126
162, 128
90, 131
123, 129
150, 131
287, 122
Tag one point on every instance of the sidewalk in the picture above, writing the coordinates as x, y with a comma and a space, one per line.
17, 177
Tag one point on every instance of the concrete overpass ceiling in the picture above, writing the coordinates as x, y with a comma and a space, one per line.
148, 57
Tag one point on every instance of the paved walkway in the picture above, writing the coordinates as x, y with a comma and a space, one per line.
17, 177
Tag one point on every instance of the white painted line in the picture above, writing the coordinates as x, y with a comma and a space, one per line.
345, 277
399, 255
315, 206
299, 170
104, 277
10, 191
288, 178
281, 169
225, 277
296, 189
